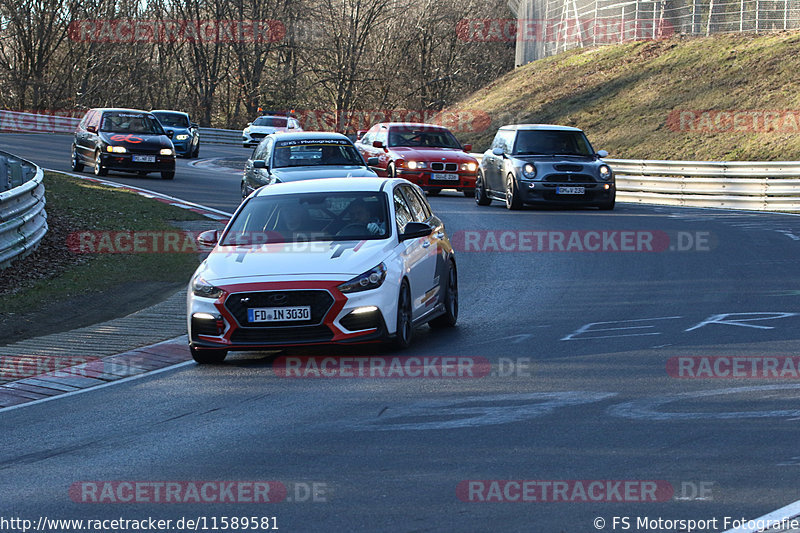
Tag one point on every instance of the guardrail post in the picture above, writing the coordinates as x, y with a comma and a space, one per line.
4, 183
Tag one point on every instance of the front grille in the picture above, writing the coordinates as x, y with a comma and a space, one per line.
450, 167
568, 168
282, 335
258, 135
357, 322
569, 178
320, 302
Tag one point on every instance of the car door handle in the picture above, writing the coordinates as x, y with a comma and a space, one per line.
440, 235
426, 244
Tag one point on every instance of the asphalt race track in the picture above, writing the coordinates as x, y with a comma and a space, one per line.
584, 347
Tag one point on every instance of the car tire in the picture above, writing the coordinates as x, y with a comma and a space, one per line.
450, 316
196, 152
469, 193
244, 191
168, 175
390, 171
208, 357
99, 169
433, 192
404, 333
608, 206
481, 198
77, 166
513, 201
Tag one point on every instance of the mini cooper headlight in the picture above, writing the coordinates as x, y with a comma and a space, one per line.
181, 137
204, 289
605, 172
166, 151
414, 165
371, 279
529, 170
116, 149
469, 167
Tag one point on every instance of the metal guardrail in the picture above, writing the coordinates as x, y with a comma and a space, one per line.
752, 185
23, 220
215, 136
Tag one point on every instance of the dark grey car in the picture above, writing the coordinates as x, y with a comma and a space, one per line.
283, 157
544, 164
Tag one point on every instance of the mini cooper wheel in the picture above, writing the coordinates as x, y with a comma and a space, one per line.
77, 166
481, 198
99, 169
450, 316
608, 206
513, 201
208, 357
168, 175
405, 329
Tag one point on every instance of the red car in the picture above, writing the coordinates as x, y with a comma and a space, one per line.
425, 154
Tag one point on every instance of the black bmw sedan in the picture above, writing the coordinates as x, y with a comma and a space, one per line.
124, 140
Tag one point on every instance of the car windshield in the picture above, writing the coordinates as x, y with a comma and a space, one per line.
175, 120
315, 153
124, 122
310, 217
551, 142
420, 137
271, 122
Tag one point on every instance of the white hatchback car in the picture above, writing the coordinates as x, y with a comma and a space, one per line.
336, 260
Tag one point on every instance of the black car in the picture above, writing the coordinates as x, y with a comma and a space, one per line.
125, 140
544, 164
282, 157
185, 133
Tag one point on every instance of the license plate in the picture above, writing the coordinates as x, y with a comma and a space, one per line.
444, 177
144, 159
570, 190
279, 314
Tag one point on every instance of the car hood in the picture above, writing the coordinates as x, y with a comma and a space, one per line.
177, 131
136, 141
339, 260
433, 154
310, 173
265, 129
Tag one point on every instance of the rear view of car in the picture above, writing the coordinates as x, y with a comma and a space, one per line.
185, 134
123, 140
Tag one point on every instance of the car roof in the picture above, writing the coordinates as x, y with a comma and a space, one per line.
300, 135
121, 110
551, 127
412, 125
326, 185
168, 111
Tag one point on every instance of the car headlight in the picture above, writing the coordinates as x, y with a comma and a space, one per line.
371, 279
469, 167
181, 137
116, 149
414, 165
204, 289
529, 171
166, 151
605, 172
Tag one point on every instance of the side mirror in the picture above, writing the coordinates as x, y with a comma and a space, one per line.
208, 238
249, 123
467, 147
259, 163
498, 151
194, 125
91, 129
377, 144
373, 162
415, 230
359, 134
170, 134
602, 153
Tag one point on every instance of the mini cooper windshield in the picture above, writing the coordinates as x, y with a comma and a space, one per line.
550, 142
310, 217
417, 137
124, 122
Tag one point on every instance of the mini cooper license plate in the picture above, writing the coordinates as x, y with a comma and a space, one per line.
144, 159
444, 177
279, 314
570, 190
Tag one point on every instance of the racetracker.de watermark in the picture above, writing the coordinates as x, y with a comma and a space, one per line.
581, 241
394, 367
456, 120
206, 492
564, 490
734, 367
176, 30
590, 29
736, 121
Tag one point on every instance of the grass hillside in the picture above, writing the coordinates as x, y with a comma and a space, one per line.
671, 99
